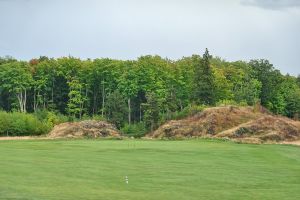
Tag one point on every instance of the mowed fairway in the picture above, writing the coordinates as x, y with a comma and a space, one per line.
193, 169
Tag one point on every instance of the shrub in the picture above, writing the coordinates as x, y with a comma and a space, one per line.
94, 117
194, 109
134, 130
20, 124
4, 123
188, 111
49, 119
227, 102
99, 118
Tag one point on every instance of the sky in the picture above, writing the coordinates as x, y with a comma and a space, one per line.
126, 29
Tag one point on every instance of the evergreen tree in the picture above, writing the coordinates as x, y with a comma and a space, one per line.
204, 88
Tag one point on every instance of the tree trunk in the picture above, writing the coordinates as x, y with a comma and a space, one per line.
80, 104
19, 97
140, 113
103, 99
94, 101
25, 99
152, 125
22, 100
129, 111
52, 91
44, 101
181, 106
34, 99
85, 98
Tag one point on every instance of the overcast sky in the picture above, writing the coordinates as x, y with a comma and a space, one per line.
127, 29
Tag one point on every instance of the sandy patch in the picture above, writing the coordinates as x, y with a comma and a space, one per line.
292, 142
21, 138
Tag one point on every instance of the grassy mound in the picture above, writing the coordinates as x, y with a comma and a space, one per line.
265, 128
86, 128
232, 122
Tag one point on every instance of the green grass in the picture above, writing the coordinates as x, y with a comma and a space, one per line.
189, 169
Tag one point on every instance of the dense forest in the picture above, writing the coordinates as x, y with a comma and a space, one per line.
139, 94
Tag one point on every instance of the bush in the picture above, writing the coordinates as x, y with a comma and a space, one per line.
4, 123
20, 124
50, 118
227, 102
134, 130
94, 117
187, 111
194, 109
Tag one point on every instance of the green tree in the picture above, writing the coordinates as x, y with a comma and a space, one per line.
152, 77
271, 94
151, 108
44, 73
75, 98
15, 78
105, 75
151, 88
248, 90
223, 86
185, 79
293, 104
204, 87
289, 90
128, 85
116, 108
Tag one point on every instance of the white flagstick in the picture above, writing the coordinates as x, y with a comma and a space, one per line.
126, 179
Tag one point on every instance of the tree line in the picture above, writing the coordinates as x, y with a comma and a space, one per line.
147, 90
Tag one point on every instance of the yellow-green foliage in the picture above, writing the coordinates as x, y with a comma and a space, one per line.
186, 112
226, 102
18, 124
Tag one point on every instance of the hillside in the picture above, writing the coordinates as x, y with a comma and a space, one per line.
238, 123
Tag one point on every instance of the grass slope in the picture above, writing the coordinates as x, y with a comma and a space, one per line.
195, 169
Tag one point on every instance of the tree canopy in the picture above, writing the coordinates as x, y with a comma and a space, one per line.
147, 90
